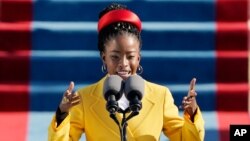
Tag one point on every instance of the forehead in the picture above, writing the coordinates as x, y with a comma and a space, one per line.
122, 42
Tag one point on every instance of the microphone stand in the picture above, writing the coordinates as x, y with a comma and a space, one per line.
133, 109
123, 125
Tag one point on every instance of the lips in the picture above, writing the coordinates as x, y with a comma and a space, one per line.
124, 74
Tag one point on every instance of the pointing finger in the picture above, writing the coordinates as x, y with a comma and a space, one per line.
71, 86
192, 84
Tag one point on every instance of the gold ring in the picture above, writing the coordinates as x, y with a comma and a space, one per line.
65, 99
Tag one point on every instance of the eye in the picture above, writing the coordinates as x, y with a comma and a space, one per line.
114, 57
131, 57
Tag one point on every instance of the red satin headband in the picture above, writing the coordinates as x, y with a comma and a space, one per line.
120, 15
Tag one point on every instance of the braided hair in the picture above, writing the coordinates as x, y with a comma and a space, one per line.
116, 28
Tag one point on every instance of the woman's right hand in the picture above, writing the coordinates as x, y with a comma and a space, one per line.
69, 99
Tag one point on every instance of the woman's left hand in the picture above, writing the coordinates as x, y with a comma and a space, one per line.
189, 103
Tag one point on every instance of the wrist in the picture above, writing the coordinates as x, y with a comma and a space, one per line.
193, 115
60, 116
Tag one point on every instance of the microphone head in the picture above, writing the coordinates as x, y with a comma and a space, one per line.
113, 86
134, 87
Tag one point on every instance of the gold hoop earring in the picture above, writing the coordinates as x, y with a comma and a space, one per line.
140, 70
104, 68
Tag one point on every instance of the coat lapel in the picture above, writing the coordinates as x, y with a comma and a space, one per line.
98, 109
148, 102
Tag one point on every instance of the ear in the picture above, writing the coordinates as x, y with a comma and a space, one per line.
139, 57
103, 57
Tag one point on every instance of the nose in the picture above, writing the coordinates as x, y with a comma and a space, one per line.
123, 62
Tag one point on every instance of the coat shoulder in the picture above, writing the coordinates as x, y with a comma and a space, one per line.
155, 87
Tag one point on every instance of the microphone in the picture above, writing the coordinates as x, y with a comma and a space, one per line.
112, 91
134, 90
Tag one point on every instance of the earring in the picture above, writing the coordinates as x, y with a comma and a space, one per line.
104, 68
140, 70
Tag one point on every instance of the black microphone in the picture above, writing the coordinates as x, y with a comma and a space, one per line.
112, 91
134, 91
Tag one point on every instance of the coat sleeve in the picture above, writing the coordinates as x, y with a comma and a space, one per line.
177, 128
71, 127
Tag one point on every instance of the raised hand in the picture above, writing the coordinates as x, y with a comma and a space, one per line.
69, 99
189, 103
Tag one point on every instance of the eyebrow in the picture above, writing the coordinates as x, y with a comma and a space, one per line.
116, 51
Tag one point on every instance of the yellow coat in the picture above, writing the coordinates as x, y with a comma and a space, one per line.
158, 114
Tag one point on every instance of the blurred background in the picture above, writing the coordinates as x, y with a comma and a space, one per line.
45, 44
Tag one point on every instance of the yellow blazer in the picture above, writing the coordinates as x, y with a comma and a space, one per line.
158, 114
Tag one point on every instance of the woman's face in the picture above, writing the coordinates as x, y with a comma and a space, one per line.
122, 55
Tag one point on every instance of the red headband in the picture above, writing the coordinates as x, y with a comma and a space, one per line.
120, 15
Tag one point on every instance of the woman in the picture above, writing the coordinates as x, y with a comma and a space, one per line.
119, 43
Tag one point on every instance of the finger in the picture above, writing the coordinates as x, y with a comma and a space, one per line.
65, 100
192, 94
183, 102
185, 98
187, 102
186, 107
75, 102
192, 84
67, 94
75, 98
75, 94
71, 86
71, 95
